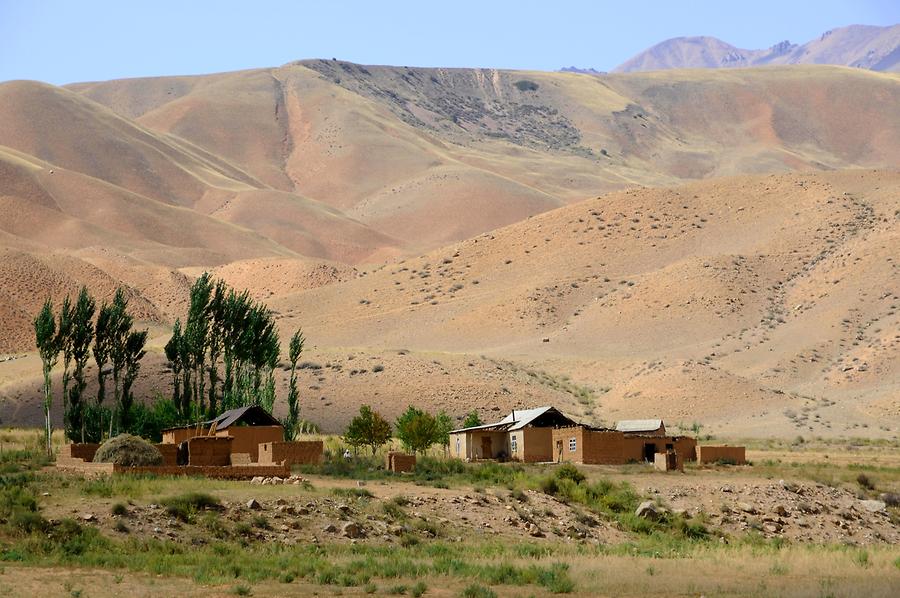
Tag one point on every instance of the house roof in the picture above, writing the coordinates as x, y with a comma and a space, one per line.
639, 425
519, 418
252, 415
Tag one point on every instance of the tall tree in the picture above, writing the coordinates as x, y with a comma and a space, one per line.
102, 345
196, 335
216, 339
292, 422
472, 420
134, 352
48, 347
173, 354
119, 331
81, 336
64, 341
368, 428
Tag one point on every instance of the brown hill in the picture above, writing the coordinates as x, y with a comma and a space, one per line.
862, 46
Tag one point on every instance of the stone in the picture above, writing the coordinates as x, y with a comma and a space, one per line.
747, 508
329, 529
352, 529
873, 506
253, 505
649, 510
781, 511
257, 480
89, 517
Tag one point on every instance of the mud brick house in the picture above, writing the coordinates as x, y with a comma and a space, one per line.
640, 443
248, 427
523, 435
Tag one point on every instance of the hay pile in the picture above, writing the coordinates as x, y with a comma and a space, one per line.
128, 450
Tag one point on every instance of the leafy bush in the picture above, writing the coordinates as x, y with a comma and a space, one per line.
128, 450
526, 85
478, 591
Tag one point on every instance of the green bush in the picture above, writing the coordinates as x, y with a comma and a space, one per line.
185, 506
526, 85
129, 451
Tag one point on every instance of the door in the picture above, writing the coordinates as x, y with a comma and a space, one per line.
486, 451
649, 452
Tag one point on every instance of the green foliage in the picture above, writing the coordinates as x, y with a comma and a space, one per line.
358, 493
292, 421
80, 336
369, 429
148, 421
444, 425
417, 430
472, 420
478, 591
185, 506
48, 348
128, 450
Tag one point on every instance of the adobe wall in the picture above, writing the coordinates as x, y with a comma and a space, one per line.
711, 454
499, 443
70, 465
300, 452
536, 444
398, 462
244, 472
611, 447
178, 435
209, 450
246, 439
459, 446
85, 451
661, 462
560, 437
169, 453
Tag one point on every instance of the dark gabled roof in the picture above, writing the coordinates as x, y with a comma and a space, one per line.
252, 415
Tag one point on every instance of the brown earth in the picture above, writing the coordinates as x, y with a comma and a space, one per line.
441, 212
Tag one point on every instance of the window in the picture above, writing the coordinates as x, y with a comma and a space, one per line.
513, 444
572, 445
457, 445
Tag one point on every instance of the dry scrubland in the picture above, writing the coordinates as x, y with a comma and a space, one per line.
453, 529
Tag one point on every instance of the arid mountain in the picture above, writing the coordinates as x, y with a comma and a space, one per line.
862, 46
434, 221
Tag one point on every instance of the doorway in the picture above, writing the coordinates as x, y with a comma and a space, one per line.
649, 452
486, 450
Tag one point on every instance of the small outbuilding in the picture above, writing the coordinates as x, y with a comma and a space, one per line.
589, 445
641, 427
523, 435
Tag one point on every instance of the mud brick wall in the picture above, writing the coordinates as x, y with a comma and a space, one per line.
399, 462
605, 447
178, 435
560, 437
300, 452
169, 453
245, 472
84, 451
248, 438
711, 454
69, 465
209, 450
537, 445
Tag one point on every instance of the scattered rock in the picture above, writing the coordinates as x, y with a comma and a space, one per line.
253, 505
873, 506
649, 510
352, 530
329, 529
89, 517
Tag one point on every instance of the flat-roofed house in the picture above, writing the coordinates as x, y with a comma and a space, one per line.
523, 435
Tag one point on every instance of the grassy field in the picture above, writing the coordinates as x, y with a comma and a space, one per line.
46, 546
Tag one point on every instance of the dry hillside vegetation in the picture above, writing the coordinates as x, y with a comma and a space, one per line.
409, 216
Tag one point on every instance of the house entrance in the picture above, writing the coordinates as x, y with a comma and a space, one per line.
486, 450
649, 452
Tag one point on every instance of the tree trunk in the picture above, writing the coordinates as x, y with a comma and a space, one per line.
48, 398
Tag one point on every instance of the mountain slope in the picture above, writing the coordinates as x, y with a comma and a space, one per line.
863, 46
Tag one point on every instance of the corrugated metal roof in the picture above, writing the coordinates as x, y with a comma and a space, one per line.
639, 425
516, 420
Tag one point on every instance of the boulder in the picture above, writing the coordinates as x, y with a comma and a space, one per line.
352, 529
253, 505
873, 506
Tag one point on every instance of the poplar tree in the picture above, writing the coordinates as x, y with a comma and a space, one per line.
81, 335
292, 422
48, 347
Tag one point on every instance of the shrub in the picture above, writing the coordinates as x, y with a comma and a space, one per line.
119, 509
568, 471
865, 481
184, 506
526, 85
478, 591
128, 450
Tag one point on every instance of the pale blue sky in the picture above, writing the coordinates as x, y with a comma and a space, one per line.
81, 40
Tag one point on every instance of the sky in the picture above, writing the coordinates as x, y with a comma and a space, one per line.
60, 41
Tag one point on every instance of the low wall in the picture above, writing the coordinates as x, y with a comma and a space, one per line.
307, 452
70, 465
169, 453
84, 451
399, 462
246, 439
711, 454
237, 472
209, 451
668, 462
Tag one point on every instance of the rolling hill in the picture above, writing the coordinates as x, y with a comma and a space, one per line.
735, 261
